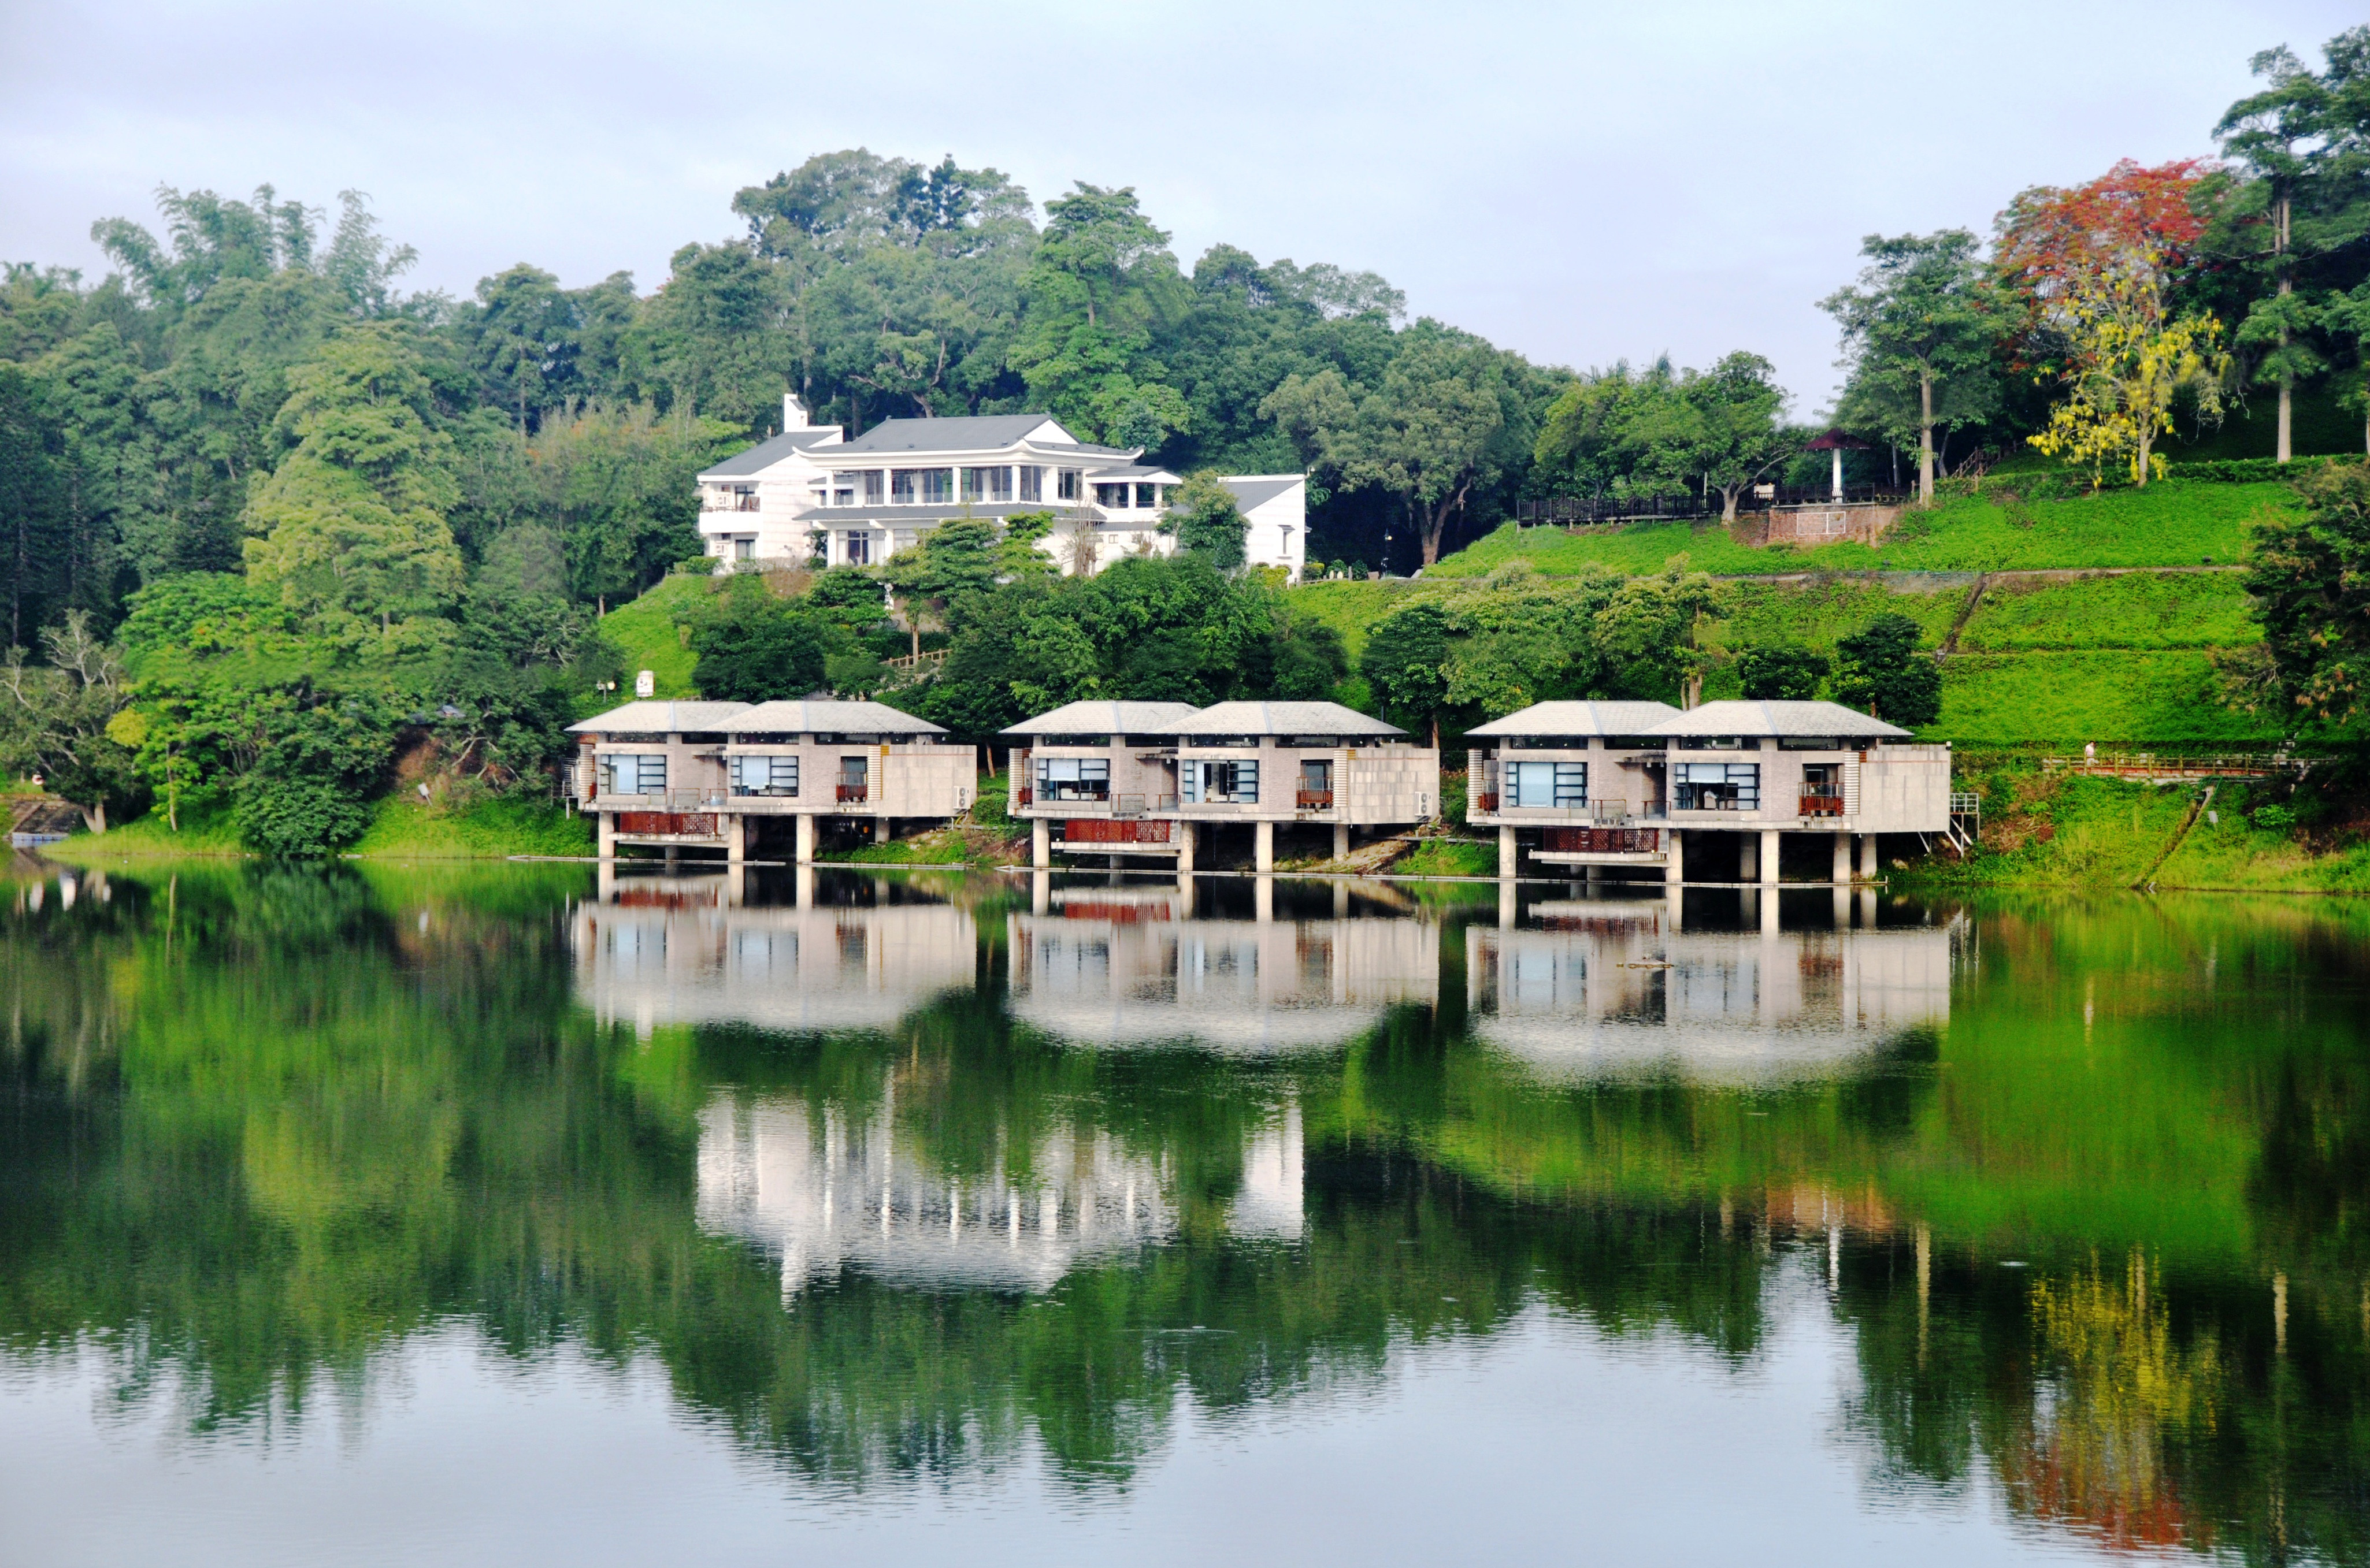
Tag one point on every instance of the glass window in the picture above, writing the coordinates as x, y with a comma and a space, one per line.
1032, 483
1547, 784
1315, 778
845, 497
1225, 781
1716, 787
852, 772
872, 487
1111, 496
1812, 743
1713, 743
744, 549
938, 486
624, 773
904, 486
1073, 778
1147, 496
766, 775
1068, 484
857, 551
987, 484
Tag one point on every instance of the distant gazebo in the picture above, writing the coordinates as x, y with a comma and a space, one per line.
1837, 441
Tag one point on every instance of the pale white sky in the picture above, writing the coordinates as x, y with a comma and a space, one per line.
1582, 182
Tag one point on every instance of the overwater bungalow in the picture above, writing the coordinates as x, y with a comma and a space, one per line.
1684, 793
1099, 778
1299, 764
716, 775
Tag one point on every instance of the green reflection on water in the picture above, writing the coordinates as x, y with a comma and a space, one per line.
2084, 1180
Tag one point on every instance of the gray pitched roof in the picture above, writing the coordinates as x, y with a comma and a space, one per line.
1108, 719
1580, 718
1758, 719
767, 454
1283, 718
814, 715
659, 717
1257, 489
970, 432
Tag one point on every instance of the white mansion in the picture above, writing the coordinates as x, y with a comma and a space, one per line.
869, 497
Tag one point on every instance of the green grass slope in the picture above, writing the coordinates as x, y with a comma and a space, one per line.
2174, 523
647, 633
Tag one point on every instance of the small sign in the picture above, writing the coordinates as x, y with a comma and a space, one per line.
646, 684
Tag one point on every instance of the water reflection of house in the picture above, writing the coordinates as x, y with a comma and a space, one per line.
1108, 966
825, 1193
677, 951
1610, 988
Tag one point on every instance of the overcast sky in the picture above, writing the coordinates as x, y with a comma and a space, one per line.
1582, 182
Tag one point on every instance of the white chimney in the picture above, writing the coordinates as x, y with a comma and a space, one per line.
794, 413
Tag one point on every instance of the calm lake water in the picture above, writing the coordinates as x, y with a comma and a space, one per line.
525, 1215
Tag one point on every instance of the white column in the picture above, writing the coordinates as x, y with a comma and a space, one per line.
881, 826
1769, 856
1509, 855
607, 832
1041, 892
1041, 843
805, 854
1263, 899
1868, 857
1768, 896
1842, 872
1507, 903
736, 837
1341, 841
1675, 868
1263, 848
1184, 831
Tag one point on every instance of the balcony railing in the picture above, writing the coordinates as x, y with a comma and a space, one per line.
1823, 804
852, 793
1600, 840
1124, 831
1028, 796
1486, 802
1714, 803
1313, 800
676, 824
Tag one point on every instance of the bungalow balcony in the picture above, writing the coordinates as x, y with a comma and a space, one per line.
1603, 846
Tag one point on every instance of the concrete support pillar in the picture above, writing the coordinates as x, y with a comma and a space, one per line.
1341, 900
1868, 857
802, 886
1341, 841
1595, 880
736, 885
1263, 848
1185, 846
1041, 843
1508, 892
1842, 872
1748, 857
1185, 897
1769, 856
805, 852
1041, 892
1843, 908
1867, 909
1263, 899
1509, 857
736, 837
883, 828
607, 833
1768, 896
1675, 869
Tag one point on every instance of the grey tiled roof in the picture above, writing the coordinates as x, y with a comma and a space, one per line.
814, 715
1580, 718
659, 717
767, 454
1284, 718
1759, 719
972, 432
1108, 719
1257, 489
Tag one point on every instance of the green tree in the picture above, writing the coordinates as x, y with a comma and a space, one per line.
55, 721
1919, 330
1102, 281
1657, 432
1880, 669
1213, 525
33, 501
350, 524
755, 647
1406, 663
308, 793
1781, 674
2310, 581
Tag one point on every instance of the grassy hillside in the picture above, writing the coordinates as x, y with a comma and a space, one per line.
2172, 523
645, 632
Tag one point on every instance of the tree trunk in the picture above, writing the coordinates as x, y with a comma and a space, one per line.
1925, 438
93, 817
1432, 524
1728, 494
2287, 286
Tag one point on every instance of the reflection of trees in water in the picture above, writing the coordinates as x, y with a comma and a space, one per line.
263, 1127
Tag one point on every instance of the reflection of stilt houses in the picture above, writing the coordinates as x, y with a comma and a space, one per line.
678, 951
1108, 966
1611, 987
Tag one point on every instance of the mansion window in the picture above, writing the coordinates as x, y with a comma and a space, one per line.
1220, 783
1073, 778
921, 487
858, 551
1546, 784
766, 775
1032, 483
987, 484
623, 773
1147, 496
1066, 484
872, 488
1716, 787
